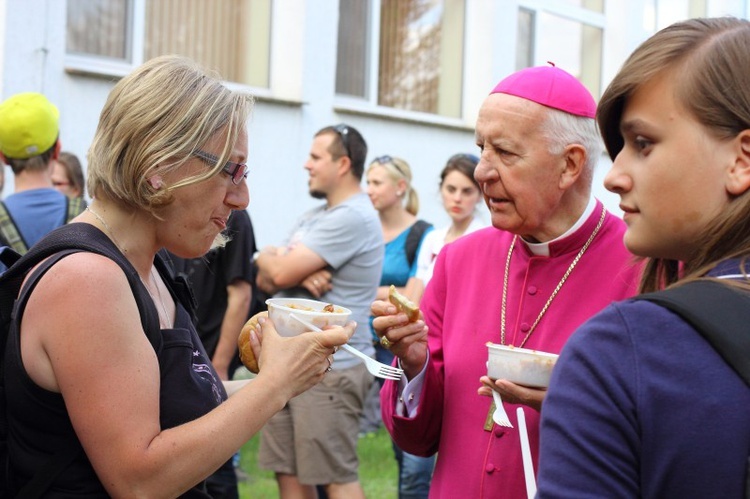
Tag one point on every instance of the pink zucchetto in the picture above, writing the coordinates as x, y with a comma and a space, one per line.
549, 86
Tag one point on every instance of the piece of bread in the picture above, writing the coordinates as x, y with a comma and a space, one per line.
403, 304
243, 343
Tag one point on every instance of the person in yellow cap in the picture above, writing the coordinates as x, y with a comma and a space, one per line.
30, 144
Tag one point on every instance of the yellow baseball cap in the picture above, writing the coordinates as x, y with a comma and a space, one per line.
29, 125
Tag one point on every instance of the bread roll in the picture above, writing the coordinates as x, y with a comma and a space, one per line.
404, 304
243, 343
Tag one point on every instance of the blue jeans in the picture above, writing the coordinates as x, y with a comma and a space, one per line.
383, 356
414, 474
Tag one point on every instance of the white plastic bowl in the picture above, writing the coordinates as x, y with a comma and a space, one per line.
309, 310
520, 365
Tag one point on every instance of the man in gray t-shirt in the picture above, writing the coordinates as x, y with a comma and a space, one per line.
348, 237
335, 254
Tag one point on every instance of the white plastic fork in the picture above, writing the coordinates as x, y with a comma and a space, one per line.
500, 416
376, 368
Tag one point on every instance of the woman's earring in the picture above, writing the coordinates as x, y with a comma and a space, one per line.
156, 182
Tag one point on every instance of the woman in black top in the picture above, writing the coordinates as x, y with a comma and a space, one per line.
166, 168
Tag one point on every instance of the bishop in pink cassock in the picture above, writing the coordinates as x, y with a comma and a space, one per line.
552, 259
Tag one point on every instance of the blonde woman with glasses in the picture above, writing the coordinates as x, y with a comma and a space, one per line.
134, 405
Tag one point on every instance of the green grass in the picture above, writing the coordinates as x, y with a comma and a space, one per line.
377, 469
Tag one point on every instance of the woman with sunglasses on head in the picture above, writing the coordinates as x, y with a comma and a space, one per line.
460, 194
397, 203
640, 404
392, 195
136, 404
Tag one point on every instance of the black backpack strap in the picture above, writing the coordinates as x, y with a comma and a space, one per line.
46, 475
8, 256
720, 313
414, 238
9, 233
84, 237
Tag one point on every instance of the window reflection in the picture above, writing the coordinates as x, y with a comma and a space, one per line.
420, 54
99, 27
230, 36
594, 5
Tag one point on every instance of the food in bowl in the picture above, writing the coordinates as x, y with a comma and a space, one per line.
522, 366
319, 313
328, 308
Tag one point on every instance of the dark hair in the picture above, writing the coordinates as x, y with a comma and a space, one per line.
35, 163
348, 142
462, 163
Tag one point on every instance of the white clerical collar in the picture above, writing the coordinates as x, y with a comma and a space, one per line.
542, 249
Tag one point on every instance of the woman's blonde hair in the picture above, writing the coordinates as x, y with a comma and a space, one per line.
710, 61
398, 169
153, 121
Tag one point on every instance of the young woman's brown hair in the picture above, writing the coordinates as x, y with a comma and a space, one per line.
703, 53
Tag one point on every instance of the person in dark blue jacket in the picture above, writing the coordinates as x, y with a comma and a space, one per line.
640, 404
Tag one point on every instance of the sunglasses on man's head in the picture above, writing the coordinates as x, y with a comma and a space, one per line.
237, 171
343, 132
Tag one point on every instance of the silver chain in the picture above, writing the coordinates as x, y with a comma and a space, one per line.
167, 320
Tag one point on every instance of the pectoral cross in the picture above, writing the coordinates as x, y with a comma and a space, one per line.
488, 422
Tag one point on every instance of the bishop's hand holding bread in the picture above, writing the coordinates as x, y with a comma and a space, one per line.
403, 304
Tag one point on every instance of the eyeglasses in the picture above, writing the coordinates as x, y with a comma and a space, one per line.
388, 160
238, 171
343, 132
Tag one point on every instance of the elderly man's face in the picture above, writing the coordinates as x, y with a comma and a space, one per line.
520, 178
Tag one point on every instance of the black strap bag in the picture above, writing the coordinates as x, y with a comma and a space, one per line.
721, 314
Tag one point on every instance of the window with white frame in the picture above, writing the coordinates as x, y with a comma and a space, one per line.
402, 54
662, 13
568, 33
229, 36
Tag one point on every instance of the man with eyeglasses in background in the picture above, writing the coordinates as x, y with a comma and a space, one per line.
334, 254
